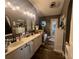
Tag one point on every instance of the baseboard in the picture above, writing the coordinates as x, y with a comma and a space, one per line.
60, 51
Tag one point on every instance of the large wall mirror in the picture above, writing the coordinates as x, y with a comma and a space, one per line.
8, 27
22, 17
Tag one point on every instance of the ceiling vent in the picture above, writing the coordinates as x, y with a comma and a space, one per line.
55, 4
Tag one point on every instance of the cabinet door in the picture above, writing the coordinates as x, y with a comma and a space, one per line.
39, 40
34, 45
31, 48
21, 52
27, 52
14, 55
24, 52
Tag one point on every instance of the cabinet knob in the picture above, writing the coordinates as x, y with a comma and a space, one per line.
26, 45
21, 48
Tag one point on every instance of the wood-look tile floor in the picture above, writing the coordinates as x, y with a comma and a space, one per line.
46, 52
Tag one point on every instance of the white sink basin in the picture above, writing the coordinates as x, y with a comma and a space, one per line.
15, 44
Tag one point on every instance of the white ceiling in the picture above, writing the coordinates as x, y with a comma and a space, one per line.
43, 8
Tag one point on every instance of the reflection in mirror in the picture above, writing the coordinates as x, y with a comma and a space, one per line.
8, 32
8, 28
19, 26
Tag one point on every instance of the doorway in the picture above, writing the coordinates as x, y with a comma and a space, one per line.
53, 28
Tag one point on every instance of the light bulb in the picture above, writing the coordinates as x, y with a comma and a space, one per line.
8, 3
17, 7
25, 12
28, 13
13, 8
33, 15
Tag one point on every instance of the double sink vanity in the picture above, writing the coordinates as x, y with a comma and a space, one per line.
25, 48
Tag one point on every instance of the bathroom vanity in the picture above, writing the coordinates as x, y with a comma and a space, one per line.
25, 48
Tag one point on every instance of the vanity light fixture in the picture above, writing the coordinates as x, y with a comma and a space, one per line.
28, 13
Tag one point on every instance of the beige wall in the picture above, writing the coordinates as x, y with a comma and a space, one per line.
69, 52
65, 7
71, 40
